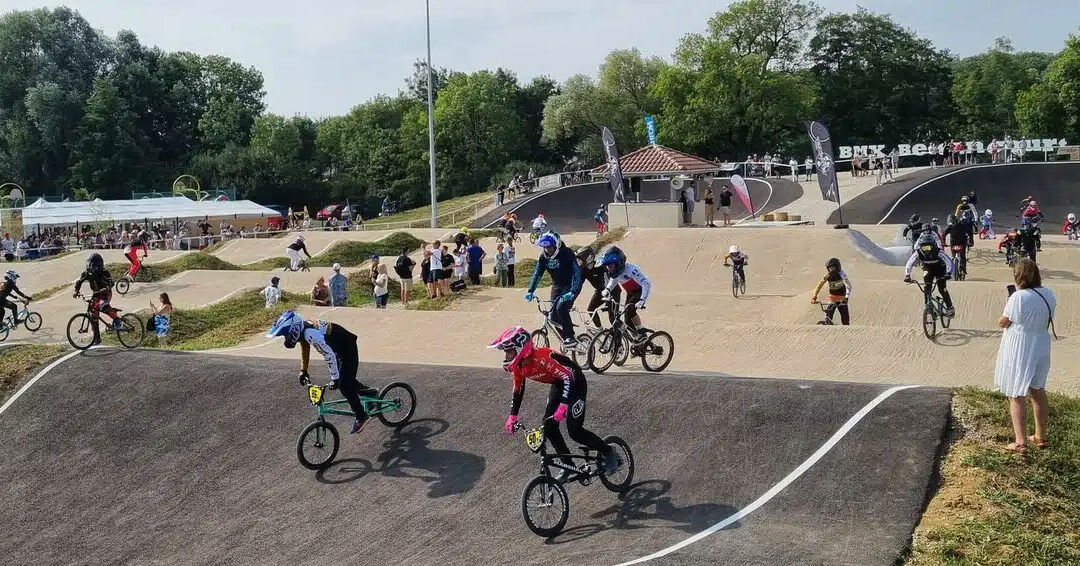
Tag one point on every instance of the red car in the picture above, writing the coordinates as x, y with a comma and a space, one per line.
331, 211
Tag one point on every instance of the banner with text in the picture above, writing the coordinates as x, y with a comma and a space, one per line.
614, 171
823, 160
977, 146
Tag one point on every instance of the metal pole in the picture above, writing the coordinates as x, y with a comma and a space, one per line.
431, 121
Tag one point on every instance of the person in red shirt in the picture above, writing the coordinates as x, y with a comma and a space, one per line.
566, 398
131, 252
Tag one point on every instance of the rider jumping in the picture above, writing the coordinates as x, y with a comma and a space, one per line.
839, 291
631, 279
293, 252
936, 266
338, 348
559, 261
566, 397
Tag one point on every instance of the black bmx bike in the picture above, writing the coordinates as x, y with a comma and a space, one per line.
545, 505
655, 348
933, 311
145, 274
738, 282
129, 328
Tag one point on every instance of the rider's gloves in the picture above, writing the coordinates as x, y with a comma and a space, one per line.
75, 294
568, 297
511, 422
560, 413
605, 294
640, 304
947, 277
332, 386
907, 280
304, 378
529, 296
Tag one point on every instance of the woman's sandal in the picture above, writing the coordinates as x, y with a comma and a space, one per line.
1015, 448
1038, 443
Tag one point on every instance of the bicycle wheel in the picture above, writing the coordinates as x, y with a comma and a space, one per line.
622, 352
580, 352
403, 395
945, 320
4, 331
742, 285
132, 332
545, 506
603, 349
317, 445
929, 322
735, 285
540, 338
620, 480
122, 286
657, 351
80, 331
32, 322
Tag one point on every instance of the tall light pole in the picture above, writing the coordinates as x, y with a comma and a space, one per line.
431, 122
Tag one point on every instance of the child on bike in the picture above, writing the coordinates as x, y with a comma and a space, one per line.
539, 224
292, 251
338, 348
566, 278
101, 285
1030, 238
1071, 228
739, 260
987, 220
913, 229
131, 252
633, 282
601, 218
6, 289
566, 397
936, 267
596, 276
957, 236
839, 291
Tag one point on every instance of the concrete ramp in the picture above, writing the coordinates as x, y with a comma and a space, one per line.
891, 255
169, 458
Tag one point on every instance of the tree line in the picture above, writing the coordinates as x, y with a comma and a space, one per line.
82, 113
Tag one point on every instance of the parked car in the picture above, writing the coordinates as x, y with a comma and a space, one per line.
331, 211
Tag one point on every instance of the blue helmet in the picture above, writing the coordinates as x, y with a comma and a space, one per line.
549, 239
612, 256
290, 325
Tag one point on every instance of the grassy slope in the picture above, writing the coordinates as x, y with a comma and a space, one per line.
424, 212
998, 508
19, 363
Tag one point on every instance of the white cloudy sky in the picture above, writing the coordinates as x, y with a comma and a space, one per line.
321, 57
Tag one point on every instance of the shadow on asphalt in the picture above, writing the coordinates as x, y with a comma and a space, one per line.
407, 454
646, 505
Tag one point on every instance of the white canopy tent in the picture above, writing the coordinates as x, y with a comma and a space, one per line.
44, 213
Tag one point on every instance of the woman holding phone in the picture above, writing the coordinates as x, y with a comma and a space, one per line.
1023, 360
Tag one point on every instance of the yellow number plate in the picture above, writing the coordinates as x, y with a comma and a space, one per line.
315, 394
535, 438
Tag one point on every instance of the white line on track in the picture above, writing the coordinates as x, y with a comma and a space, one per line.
784, 483
40, 374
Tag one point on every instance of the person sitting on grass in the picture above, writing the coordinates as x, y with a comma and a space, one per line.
162, 315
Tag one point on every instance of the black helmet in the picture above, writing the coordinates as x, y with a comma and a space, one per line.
586, 255
95, 264
926, 240
833, 262
926, 227
951, 219
914, 218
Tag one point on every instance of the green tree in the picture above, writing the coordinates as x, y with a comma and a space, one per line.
772, 30
879, 81
108, 147
234, 99
985, 89
1052, 105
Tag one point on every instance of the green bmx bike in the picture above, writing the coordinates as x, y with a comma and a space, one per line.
318, 443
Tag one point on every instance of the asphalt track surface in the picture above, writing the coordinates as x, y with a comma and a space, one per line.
571, 209
180, 458
1000, 188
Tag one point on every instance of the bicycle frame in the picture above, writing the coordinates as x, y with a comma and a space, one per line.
549, 322
372, 405
555, 460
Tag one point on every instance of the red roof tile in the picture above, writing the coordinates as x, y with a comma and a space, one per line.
656, 159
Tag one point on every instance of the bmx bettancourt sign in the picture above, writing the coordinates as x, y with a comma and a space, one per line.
1025, 145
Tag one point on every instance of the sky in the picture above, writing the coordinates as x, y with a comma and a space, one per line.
322, 57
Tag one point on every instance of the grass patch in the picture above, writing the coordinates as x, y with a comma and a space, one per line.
423, 214
609, 237
180, 264
19, 363
45, 294
1003, 509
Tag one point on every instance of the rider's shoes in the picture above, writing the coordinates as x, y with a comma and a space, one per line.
611, 460
950, 312
569, 343
358, 425
117, 325
96, 342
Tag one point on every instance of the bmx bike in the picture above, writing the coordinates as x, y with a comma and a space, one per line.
31, 320
302, 266
959, 260
738, 283
318, 443
80, 328
145, 274
933, 311
827, 310
545, 505
655, 348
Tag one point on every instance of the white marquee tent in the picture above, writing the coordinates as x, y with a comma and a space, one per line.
44, 213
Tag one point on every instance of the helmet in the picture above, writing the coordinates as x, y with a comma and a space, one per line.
1032, 203
833, 262
11, 275
964, 198
926, 240
951, 219
549, 239
95, 264
933, 221
516, 343
971, 194
914, 218
300, 238
290, 325
1072, 217
989, 212
540, 215
612, 256
586, 255
734, 249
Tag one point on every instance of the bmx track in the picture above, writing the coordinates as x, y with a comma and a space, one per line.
173, 458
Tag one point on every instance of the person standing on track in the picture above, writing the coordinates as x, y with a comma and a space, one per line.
566, 277
839, 291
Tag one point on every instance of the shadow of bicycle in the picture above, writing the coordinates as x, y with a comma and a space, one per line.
646, 506
963, 336
408, 454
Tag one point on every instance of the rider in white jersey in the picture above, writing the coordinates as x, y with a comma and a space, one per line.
539, 224
632, 280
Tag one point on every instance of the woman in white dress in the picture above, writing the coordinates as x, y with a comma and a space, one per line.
1023, 360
